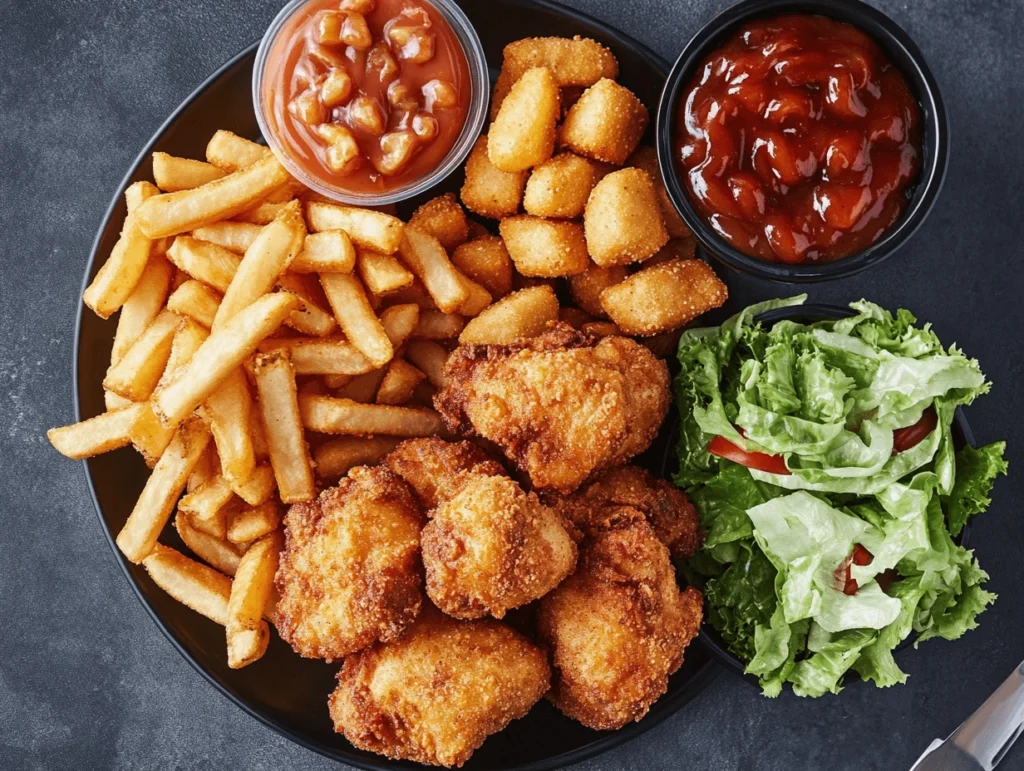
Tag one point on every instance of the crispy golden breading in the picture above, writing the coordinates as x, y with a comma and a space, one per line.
350, 572
561, 406
617, 628
436, 469
492, 547
436, 693
665, 506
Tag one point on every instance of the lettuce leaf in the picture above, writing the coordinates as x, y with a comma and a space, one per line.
976, 472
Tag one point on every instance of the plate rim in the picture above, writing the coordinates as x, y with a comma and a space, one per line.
671, 703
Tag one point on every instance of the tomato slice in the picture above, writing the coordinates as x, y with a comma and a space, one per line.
761, 461
843, 579
905, 438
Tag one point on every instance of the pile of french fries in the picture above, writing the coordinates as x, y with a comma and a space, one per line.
269, 340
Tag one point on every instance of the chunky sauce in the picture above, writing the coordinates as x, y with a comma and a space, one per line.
798, 140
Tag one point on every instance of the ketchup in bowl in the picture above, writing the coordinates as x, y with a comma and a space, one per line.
798, 140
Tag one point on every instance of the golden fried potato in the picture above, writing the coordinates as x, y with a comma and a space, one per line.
606, 124
437, 693
486, 260
646, 158
523, 134
491, 547
350, 573
444, 219
522, 314
618, 627
561, 406
623, 219
545, 248
664, 297
559, 188
675, 249
489, 191
587, 286
436, 469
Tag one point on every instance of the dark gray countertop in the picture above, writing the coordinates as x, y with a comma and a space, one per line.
86, 679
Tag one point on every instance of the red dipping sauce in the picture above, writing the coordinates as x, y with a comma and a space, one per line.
798, 140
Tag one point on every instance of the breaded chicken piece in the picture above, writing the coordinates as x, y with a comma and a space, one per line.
350, 571
436, 693
493, 547
561, 406
435, 469
665, 506
617, 628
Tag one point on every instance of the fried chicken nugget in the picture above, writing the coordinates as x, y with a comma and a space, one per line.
350, 571
561, 406
665, 506
435, 469
493, 547
434, 695
617, 628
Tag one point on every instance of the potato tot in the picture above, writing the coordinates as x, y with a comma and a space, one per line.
606, 124
586, 287
675, 249
525, 313
646, 158
489, 191
560, 187
543, 248
444, 219
523, 134
486, 261
664, 297
623, 219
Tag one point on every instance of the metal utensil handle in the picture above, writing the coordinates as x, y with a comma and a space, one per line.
995, 725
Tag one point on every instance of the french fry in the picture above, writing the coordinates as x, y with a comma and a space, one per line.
195, 300
231, 152
523, 133
320, 357
268, 257
250, 591
219, 553
328, 252
233, 236
191, 583
478, 297
142, 306
334, 382
248, 524
173, 213
258, 487
259, 440
344, 416
425, 257
282, 424
444, 219
356, 318
214, 265
163, 488
488, 191
229, 412
172, 174
334, 458
486, 261
117, 277
522, 314
103, 433
208, 499
399, 383
369, 229
429, 358
138, 372
217, 525
434, 325
414, 293
363, 388
309, 318
207, 467
223, 352
382, 273
262, 214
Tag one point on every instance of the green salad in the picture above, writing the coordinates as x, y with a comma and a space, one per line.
821, 461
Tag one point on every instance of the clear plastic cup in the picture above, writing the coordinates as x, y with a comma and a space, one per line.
475, 116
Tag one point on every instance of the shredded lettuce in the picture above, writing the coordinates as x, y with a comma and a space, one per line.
827, 397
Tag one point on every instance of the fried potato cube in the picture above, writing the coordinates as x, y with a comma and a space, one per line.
606, 124
545, 248
521, 314
646, 158
489, 191
444, 219
560, 187
623, 219
574, 317
587, 286
675, 249
523, 134
486, 261
664, 297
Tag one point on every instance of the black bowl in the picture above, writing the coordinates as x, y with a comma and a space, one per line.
809, 313
282, 690
900, 49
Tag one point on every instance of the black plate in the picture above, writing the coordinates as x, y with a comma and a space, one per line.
282, 690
